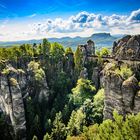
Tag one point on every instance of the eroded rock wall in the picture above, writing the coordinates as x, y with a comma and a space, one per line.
127, 48
11, 105
120, 94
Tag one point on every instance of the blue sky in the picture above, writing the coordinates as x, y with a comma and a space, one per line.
63, 8
41, 18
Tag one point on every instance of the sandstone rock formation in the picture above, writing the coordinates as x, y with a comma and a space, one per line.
11, 103
88, 49
120, 94
129, 89
84, 73
127, 48
96, 77
69, 63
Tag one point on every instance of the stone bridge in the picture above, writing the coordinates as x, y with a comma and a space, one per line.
112, 59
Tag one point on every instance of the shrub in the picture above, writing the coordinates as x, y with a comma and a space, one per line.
124, 71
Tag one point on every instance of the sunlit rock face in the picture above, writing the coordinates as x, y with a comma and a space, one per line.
127, 48
137, 102
84, 73
88, 49
120, 94
129, 89
11, 104
113, 95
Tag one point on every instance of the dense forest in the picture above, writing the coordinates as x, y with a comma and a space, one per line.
49, 92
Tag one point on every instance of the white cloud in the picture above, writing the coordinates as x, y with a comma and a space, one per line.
82, 24
135, 16
33, 15
84, 20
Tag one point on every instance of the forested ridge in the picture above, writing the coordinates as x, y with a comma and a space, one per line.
49, 92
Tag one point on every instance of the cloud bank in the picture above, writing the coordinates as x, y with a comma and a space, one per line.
83, 24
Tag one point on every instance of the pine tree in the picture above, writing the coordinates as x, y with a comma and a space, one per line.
59, 129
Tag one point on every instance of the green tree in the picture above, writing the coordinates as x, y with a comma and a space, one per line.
88, 110
117, 129
76, 122
98, 102
59, 129
68, 51
46, 47
105, 52
78, 59
56, 52
83, 90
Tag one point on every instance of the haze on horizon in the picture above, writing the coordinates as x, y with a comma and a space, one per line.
29, 19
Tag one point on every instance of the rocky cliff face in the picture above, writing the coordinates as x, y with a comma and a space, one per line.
11, 103
127, 48
120, 94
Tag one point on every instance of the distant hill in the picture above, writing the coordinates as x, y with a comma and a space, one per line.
100, 39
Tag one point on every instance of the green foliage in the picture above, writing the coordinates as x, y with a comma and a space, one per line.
76, 122
47, 137
119, 129
78, 56
105, 52
46, 46
26, 50
124, 71
38, 72
56, 52
39, 49
75, 138
59, 130
5, 71
83, 90
91, 132
68, 51
88, 110
98, 106
62, 82
100, 60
